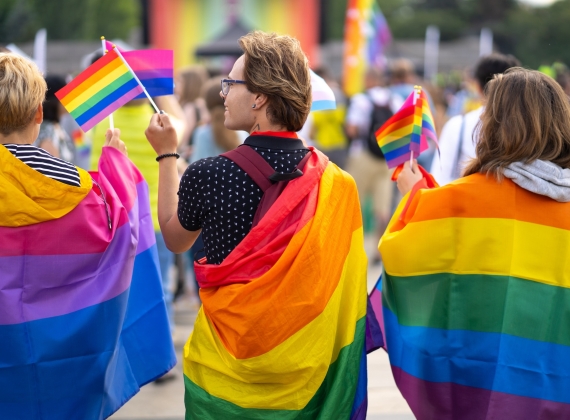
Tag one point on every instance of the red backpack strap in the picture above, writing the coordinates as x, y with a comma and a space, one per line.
252, 164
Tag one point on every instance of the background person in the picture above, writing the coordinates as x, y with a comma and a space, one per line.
457, 141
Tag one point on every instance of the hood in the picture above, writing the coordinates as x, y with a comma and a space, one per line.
541, 177
28, 197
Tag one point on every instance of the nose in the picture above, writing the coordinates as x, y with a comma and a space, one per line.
222, 95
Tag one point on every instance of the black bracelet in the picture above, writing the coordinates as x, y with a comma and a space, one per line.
176, 155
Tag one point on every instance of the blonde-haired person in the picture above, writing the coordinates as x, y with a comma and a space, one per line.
68, 241
279, 222
476, 272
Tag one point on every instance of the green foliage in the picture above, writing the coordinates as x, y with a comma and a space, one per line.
67, 19
538, 36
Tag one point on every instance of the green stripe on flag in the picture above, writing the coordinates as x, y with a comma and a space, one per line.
333, 399
483, 303
102, 94
396, 144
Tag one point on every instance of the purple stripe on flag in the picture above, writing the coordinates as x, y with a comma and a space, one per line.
392, 163
376, 303
155, 74
147, 237
449, 401
88, 125
360, 413
35, 287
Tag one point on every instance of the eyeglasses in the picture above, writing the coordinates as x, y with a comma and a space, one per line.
227, 83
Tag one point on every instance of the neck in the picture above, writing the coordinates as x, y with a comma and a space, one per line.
265, 126
26, 136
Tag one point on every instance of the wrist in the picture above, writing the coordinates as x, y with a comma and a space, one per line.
167, 156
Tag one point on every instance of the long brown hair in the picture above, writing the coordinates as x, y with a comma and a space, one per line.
223, 138
192, 78
527, 117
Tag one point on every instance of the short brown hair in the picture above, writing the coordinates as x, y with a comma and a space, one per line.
22, 90
527, 117
277, 67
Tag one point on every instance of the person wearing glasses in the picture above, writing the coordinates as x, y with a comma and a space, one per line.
283, 276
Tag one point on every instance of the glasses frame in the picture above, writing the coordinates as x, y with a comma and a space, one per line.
228, 81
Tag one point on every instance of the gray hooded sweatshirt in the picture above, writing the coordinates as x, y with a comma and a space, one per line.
541, 177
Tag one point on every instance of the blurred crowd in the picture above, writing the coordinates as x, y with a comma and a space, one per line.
346, 135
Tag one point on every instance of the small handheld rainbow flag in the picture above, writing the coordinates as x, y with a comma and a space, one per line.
405, 134
99, 90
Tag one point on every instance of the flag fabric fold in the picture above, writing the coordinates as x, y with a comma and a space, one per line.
82, 316
281, 333
475, 302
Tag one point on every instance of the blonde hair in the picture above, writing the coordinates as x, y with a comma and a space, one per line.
193, 77
277, 67
223, 138
22, 90
527, 117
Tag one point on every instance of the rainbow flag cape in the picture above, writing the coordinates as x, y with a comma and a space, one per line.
154, 68
366, 35
407, 131
281, 332
99, 90
476, 298
83, 323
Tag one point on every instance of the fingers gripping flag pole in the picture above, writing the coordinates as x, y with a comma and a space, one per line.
136, 78
111, 121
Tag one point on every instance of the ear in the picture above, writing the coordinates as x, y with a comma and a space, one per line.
260, 100
39, 117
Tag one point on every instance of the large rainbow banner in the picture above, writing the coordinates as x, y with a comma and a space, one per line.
476, 302
83, 323
281, 333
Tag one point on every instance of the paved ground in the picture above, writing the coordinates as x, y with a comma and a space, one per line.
165, 401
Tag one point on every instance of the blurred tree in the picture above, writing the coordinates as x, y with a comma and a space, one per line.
68, 19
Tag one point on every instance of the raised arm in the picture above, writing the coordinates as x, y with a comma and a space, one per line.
162, 137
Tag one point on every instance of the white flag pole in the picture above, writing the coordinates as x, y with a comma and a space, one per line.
111, 121
137, 79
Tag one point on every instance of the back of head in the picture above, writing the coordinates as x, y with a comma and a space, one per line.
192, 79
527, 117
223, 138
22, 90
52, 104
277, 67
373, 77
402, 70
492, 64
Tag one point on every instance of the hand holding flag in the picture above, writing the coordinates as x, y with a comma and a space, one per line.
404, 136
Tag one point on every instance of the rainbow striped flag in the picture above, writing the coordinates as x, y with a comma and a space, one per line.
281, 333
366, 35
99, 90
83, 323
154, 68
476, 298
407, 131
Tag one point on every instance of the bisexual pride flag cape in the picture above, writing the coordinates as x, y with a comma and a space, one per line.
476, 302
281, 331
83, 323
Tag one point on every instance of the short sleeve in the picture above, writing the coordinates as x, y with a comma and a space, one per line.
190, 196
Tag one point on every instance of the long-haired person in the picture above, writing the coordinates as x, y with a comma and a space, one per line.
477, 279
83, 323
283, 284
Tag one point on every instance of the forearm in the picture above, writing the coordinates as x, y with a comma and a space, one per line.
167, 191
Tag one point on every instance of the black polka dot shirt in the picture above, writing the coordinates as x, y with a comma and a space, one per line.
218, 197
